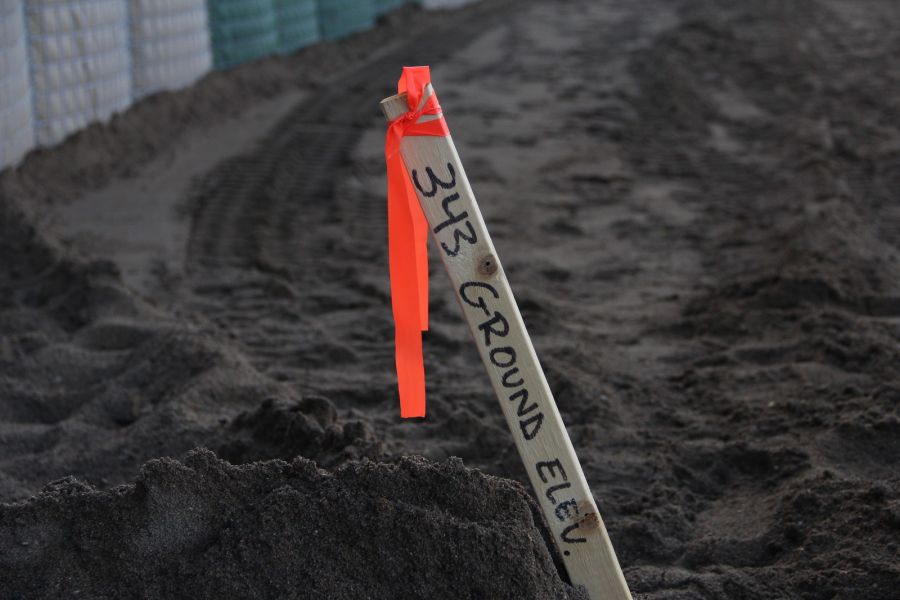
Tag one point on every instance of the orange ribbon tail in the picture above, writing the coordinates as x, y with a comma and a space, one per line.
407, 241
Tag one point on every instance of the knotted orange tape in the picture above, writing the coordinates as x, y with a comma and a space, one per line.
407, 240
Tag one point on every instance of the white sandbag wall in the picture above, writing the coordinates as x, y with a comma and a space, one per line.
80, 63
169, 44
16, 120
67, 63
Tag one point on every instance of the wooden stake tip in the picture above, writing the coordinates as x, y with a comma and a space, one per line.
393, 106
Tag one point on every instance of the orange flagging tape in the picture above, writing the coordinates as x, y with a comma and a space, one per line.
407, 241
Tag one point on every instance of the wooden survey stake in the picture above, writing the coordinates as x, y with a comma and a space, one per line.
492, 314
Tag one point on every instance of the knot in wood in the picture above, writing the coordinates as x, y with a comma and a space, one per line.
487, 265
588, 519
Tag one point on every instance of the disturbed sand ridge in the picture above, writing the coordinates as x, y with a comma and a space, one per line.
696, 206
279, 530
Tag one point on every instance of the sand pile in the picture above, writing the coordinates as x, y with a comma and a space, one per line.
205, 529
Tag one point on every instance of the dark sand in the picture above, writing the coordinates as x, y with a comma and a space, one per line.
696, 203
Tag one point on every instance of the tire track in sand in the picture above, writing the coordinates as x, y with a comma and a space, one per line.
274, 255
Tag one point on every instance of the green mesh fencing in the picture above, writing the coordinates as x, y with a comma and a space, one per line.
340, 18
297, 22
241, 30
385, 6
